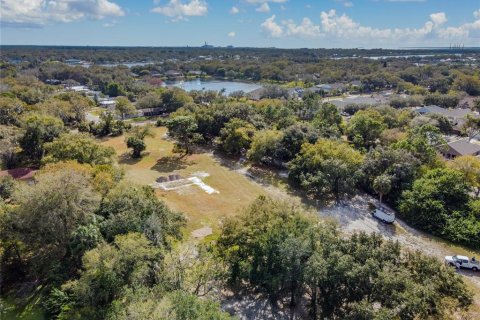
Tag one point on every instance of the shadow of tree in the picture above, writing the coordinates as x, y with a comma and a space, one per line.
171, 163
126, 158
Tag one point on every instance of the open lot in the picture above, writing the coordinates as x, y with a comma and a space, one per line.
202, 209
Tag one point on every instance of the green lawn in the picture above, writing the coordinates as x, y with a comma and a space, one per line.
202, 209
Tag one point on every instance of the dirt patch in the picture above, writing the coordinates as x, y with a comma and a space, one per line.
202, 232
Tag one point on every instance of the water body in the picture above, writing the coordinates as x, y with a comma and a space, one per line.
399, 56
215, 85
128, 64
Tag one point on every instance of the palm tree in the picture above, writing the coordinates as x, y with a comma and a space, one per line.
382, 185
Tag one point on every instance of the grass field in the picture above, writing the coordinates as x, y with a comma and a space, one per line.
202, 209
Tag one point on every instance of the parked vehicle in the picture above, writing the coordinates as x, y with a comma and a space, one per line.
462, 262
384, 215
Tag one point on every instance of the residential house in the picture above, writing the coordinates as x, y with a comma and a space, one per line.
149, 112
456, 116
331, 87
373, 100
460, 148
449, 113
173, 74
107, 103
196, 73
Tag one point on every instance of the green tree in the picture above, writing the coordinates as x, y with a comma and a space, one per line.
423, 142
326, 168
236, 136
138, 146
442, 100
124, 107
136, 140
111, 269
10, 110
71, 107
264, 147
471, 127
293, 139
280, 249
280, 239
142, 132
401, 166
469, 166
176, 305
183, 129
469, 84
382, 185
7, 187
9, 142
49, 211
194, 269
80, 147
114, 89
365, 127
328, 121
130, 208
39, 129
173, 99
434, 198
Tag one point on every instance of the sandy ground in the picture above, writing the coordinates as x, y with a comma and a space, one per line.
355, 216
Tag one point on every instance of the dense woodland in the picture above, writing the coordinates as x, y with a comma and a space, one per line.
87, 243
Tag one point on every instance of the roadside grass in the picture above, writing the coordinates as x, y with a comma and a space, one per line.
97, 111
27, 309
201, 209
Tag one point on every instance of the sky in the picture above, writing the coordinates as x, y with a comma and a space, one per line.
242, 23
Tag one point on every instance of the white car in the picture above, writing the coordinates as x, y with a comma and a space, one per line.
386, 216
462, 262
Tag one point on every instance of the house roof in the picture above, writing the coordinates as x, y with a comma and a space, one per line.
331, 86
19, 173
362, 100
464, 147
452, 113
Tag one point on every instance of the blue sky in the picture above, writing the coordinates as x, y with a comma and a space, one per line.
259, 23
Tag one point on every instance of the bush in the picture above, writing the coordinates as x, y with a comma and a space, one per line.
7, 186
138, 145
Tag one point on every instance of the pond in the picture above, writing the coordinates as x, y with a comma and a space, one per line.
215, 85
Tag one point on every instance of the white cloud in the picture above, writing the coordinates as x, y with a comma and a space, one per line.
178, 10
305, 29
231, 34
346, 3
476, 14
265, 1
438, 18
271, 28
333, 26
406, 0
110, 24
263, 8
234, 10
36, 13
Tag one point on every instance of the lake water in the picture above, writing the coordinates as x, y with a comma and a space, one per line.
128, 64
215, 85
